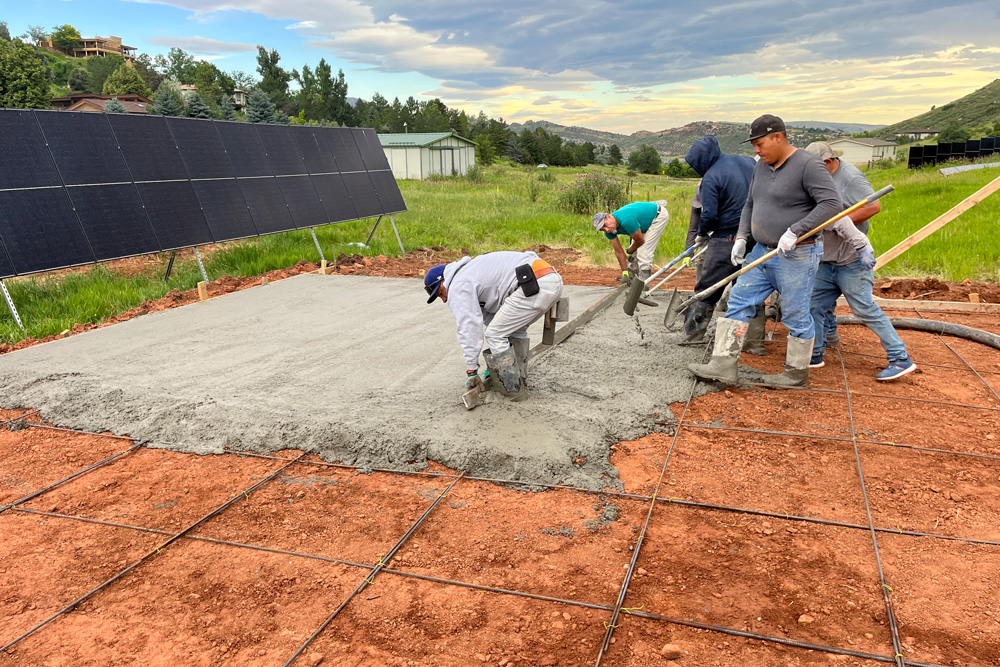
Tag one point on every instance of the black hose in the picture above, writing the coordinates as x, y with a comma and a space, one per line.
936, 327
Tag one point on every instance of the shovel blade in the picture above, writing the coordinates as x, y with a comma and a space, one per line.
632, 296
675, 306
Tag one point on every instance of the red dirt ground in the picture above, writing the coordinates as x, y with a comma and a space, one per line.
204, 602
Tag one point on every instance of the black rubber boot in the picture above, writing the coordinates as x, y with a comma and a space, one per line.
504, 371
755, 334
696, 321
724, 364
796, 373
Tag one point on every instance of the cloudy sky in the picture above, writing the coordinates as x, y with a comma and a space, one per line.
617, 66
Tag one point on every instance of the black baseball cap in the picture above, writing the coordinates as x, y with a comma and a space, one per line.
765, 125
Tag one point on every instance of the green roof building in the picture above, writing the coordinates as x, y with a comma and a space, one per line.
417, 155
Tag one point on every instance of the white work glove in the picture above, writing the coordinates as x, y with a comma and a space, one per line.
700, 240
787, 242
738, 255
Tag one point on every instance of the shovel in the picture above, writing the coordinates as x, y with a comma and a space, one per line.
636, 288
675, 306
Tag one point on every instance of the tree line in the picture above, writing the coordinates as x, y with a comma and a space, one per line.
31, 73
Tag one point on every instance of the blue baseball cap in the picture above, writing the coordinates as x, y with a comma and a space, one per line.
432, 281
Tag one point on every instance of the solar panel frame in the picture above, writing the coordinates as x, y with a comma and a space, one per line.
363, 196
46, 226
315, 151
83, 147
6, 267
148, 147
282, 153
244, 149
114, 220
370, 147
21, 144
175, 214
304, 204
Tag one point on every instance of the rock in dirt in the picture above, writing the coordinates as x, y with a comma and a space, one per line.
671, 651
316, 659
805, 619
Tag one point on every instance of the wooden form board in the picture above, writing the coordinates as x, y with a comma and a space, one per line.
938, 223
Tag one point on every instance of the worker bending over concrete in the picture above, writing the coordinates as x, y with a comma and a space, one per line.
790, 194
642, 222
504, 292
851, 272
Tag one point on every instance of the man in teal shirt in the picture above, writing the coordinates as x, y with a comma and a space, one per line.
643, 222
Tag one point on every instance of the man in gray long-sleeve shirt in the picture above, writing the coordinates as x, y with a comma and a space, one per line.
791, 193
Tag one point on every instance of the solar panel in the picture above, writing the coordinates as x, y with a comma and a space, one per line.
41, 231
315, 150
246, 152
83, 147
148, 147
201, 148
363, 196
388, 192
6, 268
336, 201
175, 214
267, 205
24, 158
282, 154
225, 209
371, 149
345, 150
114, 220
303, 202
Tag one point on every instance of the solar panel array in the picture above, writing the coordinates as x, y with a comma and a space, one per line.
952, 150
78, 188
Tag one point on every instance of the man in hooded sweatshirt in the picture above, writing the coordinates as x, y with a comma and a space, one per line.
725, 182
503, 292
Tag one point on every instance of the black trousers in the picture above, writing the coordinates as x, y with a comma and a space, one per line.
717, 265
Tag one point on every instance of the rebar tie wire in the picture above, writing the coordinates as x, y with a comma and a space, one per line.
955, 352
382, 563
93, 466
492, 589
156, 550
886, 589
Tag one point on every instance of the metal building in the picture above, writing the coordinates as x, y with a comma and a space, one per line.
417, 155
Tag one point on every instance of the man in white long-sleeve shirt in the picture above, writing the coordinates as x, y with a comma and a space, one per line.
485, 292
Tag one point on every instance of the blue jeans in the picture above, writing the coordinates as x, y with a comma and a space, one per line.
792, 275
856, 284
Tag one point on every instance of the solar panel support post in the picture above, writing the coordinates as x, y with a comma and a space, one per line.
372, 233
201, 267
312, 230
401, 250
170, 266
10, 304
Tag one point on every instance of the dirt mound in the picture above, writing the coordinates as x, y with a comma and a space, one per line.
932, 289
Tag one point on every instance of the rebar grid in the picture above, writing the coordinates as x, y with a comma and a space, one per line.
617, 608
962, 359
886, 589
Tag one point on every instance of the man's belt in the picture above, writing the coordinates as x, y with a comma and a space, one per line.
541, 268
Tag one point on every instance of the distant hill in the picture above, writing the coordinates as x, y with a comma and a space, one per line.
827, 125
674, 142
976, 108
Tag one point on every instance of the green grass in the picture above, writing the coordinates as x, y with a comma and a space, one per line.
511, 208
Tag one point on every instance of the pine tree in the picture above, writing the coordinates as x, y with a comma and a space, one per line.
167, 103
24, 79
259, 109
227, 109
114, 106
197, 107
125, 81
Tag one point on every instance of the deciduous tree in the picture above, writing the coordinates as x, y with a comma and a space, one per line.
65, 37
274, 80
99, 69
125, 81
645, 160
24, 80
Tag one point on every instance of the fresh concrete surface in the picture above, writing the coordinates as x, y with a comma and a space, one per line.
362, 371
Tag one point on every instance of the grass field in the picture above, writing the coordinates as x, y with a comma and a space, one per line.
513, 208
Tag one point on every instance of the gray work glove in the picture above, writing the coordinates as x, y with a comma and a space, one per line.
738, 255
787, 242
867, 257
700, 240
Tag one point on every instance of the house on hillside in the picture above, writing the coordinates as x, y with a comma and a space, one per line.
417, 155
917, 135
240, 97
98, 46
92, 102
863, 150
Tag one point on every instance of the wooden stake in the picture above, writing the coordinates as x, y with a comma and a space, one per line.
938, 223
974, 297
202, 291
324, 268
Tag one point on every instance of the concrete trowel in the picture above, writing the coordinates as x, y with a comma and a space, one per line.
635, 294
